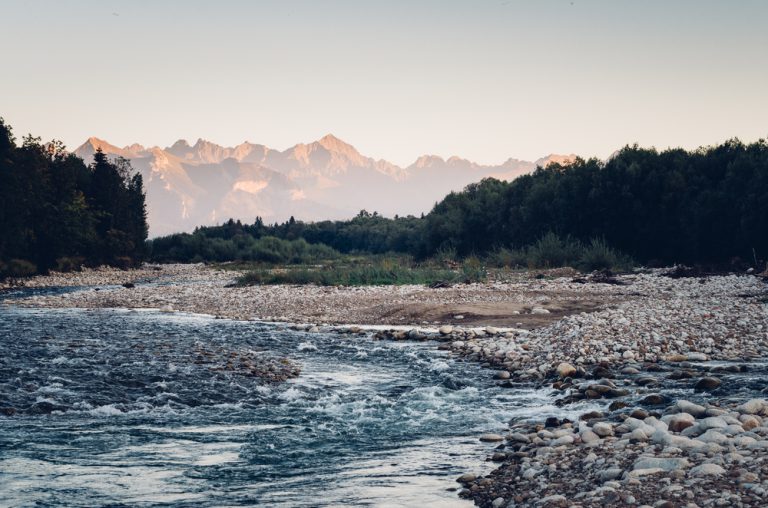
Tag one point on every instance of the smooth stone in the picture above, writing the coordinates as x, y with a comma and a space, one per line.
616, 405
654, 399
591, 415
564, 440
610, 474
565, 370
753, 407
713, 436
706, 384
713, 422
707, 470
749, 422
467, 478
491, 438
589, 437
644, 472
602, 429
518, 437
666, 464
680, 422
684, 406
555, 500
446, 330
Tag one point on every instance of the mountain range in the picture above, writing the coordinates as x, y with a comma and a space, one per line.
205, 183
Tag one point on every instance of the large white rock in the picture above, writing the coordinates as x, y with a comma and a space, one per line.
602, 429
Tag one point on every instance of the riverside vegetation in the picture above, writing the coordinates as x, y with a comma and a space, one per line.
57, 213
705, 207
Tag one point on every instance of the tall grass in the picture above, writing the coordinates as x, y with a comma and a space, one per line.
553, 251
387, 271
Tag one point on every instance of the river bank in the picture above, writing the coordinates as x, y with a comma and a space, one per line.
518, 299
677, 366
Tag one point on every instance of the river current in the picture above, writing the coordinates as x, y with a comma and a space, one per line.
111, 407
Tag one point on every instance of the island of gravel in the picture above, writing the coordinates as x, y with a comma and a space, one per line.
640, 344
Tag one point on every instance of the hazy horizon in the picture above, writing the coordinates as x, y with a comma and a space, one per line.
481, 80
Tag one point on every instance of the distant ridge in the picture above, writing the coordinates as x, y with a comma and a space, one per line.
204, 183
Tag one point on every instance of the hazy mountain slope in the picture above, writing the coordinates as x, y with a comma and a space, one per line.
205, 183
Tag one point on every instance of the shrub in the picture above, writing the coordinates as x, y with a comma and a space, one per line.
598, 255
446, 255
124, 262
551, 251
21, 268
70, 264
472, 270
508, 258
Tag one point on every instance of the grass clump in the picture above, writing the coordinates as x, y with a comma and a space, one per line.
376, 272
553, 251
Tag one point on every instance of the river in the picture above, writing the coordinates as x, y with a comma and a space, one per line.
110, 407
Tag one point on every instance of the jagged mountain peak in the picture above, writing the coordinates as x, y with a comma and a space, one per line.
93, 140
427, 161
334, 144
181, 143
94, 143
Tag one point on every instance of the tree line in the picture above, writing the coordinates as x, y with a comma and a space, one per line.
56, 212
706, 206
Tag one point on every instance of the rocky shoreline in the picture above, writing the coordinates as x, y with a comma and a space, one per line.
679, 364
695, 337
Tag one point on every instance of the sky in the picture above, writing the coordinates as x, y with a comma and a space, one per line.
482, 79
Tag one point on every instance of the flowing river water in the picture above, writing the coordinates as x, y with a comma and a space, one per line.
110, 407
114, 407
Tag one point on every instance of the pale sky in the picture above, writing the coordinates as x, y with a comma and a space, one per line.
485, 80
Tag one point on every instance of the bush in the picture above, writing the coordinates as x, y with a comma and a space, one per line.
70, 264
598, 255
508, 258
124, 262
551, 251
472, 270
21, 268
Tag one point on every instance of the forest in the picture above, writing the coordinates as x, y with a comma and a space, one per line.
707, 207
58, 213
